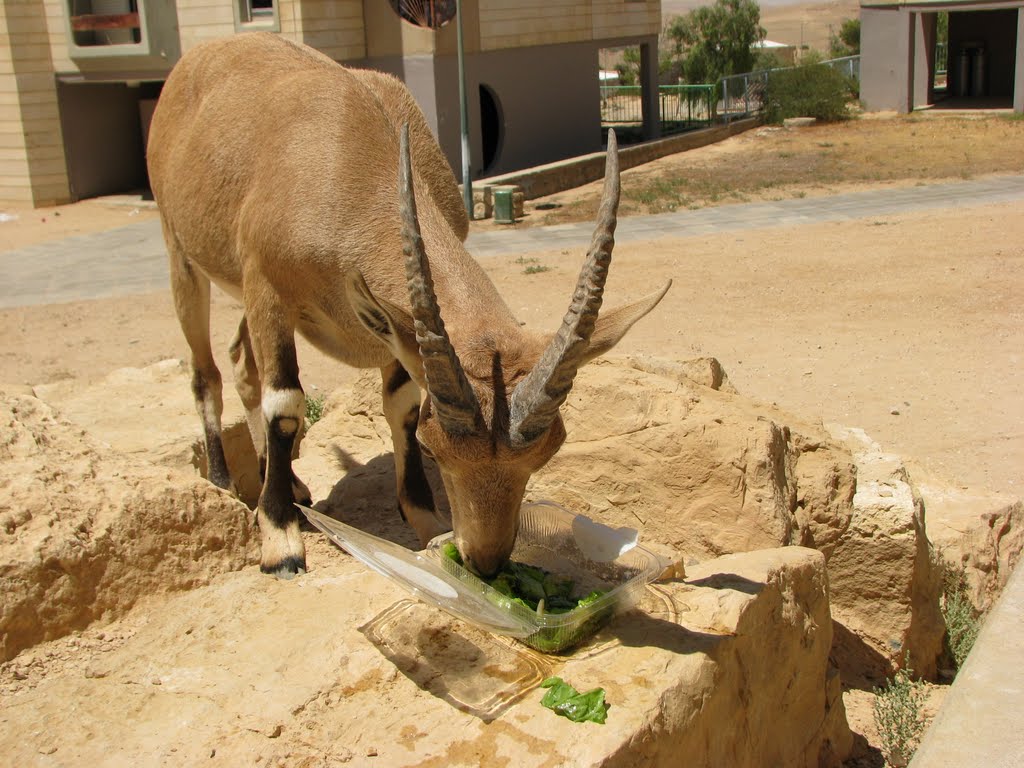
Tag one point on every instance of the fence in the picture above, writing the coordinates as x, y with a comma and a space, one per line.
680, 107
743, 95
847, 65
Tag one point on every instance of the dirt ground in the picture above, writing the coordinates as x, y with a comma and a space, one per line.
773, 163
909, 326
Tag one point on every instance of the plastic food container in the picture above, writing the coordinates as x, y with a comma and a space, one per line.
569, 546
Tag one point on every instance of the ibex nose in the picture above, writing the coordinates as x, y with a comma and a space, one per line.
484, 565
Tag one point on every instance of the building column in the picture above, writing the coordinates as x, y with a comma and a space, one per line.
649, 102
33, 168
1018, 73
924, 58
906, 104
887, 59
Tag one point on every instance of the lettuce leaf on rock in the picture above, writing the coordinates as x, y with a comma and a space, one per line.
566, 701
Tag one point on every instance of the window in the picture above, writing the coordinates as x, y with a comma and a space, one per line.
104, 22
257, 14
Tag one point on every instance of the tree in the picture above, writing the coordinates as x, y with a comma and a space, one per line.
847, 42
629, 67
711, 42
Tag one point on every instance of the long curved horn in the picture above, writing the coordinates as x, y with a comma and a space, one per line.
452, 397
537, 398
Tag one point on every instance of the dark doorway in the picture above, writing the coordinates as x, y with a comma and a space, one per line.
492, 127
105, 127
982, 56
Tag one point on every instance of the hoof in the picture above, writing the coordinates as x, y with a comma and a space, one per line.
286, 569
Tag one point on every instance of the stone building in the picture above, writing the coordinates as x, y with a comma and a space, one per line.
984, 62
79, 78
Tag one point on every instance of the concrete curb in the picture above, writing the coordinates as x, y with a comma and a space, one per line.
979, 723
544, 180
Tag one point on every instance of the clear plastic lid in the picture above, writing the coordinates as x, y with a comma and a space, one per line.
421, 575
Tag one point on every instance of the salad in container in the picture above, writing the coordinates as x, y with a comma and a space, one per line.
567, 575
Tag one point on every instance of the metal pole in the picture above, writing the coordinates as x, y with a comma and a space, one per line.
467, 180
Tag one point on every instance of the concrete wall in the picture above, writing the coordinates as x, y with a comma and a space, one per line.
545, 118
32, 165
886, 53
924, 58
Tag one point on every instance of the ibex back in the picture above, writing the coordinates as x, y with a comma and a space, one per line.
288, 180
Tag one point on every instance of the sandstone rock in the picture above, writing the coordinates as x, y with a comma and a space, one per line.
155, 420
730, 668
84, 534
703, 470
699, 469
885, 587
673, 451
982, 532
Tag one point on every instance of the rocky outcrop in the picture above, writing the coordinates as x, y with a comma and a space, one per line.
663, 446
85, 533
981, 532
885, 582
155, 420
707, 471
729, 668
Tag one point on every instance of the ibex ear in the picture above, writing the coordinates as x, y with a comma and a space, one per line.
612, 324
392, 325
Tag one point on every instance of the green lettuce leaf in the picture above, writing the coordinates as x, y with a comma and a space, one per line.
566, 701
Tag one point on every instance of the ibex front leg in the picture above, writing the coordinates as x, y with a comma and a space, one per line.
402, 410
284, 408
191, 291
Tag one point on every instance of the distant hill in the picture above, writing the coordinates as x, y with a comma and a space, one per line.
789, 21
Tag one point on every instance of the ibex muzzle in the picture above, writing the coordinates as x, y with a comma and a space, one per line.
318, 197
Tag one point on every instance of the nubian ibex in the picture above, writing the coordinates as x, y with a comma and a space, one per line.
318, 197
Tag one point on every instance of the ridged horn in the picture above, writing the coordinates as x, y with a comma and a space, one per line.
451, 395
537, 398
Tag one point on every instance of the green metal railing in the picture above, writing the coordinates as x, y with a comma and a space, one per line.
680, 107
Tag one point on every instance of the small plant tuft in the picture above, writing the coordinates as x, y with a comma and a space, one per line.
962, 621
531, 266
899, 716
314, 409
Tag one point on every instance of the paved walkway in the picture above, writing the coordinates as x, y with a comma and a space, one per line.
132, 259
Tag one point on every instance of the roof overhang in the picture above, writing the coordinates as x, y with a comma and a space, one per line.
934, 6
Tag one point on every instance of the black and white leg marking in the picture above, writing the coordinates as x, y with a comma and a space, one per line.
401, 409
283, 407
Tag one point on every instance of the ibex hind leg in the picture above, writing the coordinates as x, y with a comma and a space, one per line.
191, 290
250, 391
283, 407
402, 409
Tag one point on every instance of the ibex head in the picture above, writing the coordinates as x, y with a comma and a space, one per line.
491, 419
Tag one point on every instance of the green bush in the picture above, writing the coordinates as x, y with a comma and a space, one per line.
809, 90
899, 716
962, 622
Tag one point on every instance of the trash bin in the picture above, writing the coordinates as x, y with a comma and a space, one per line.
504, 213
